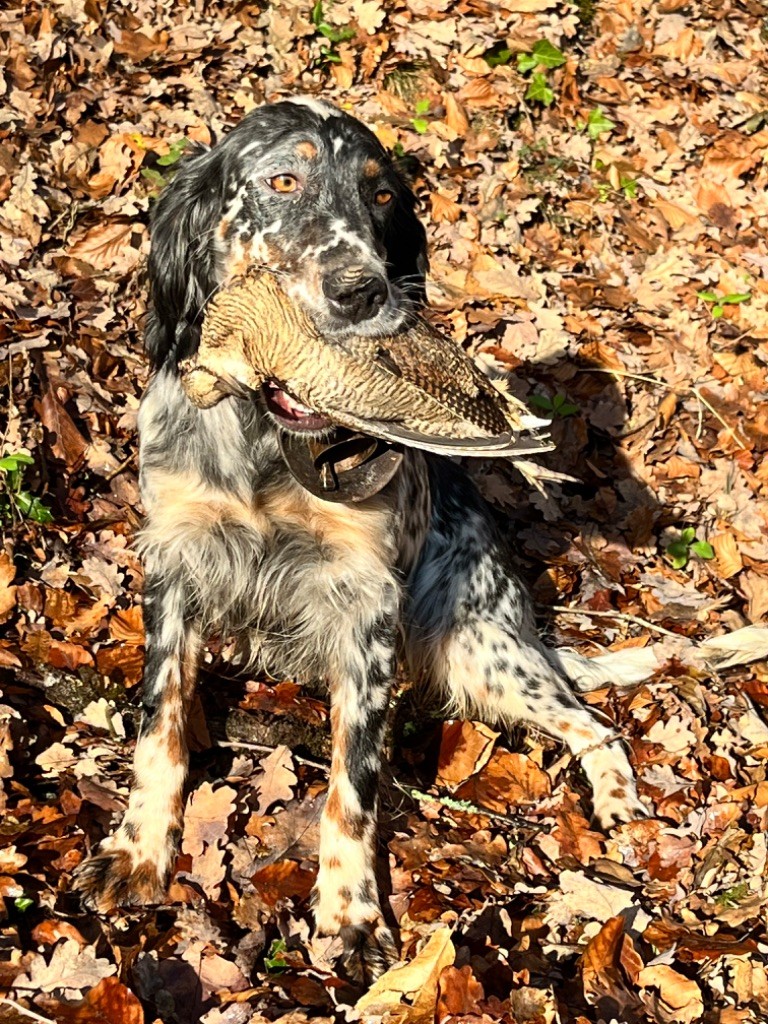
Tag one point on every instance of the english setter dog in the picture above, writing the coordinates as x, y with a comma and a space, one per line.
317, 590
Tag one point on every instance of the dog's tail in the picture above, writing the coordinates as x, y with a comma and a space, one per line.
636, 664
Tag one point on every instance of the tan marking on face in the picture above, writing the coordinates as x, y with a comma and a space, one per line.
619, 793
371, 168
306, 150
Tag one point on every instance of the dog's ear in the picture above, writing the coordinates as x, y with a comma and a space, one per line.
182, 259
406, 244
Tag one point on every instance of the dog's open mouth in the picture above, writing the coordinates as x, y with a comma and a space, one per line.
289, 412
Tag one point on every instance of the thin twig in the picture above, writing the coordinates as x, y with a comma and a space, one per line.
731, 430
517, 820
623, 616
685, 389
264, 748
119, 468
25, 1012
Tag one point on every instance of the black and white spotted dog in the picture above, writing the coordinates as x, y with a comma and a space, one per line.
314, 589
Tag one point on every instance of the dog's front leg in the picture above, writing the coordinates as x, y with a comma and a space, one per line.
346, 894
132, 866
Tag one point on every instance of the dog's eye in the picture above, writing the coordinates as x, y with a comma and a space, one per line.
284, 183
384, 196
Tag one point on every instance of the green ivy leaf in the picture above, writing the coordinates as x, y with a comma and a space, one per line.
539, 91
732, 298
717, 311
32, 507
23, 903
703, 549
333, 34
598, 124
498, 55
567, 409
153, 176
678, 554
547, 54
687, 535
174, 154
708, 296
420, 124
11, 463
526, 62
422, 106
540, 402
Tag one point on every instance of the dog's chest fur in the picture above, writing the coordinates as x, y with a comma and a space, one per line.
262, 559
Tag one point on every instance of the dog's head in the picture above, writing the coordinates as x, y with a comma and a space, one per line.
301, 189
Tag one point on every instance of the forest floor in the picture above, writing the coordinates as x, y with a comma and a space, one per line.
594, 182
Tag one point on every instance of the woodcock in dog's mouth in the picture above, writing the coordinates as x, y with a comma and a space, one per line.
416, 388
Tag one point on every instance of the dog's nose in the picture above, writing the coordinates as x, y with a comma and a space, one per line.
355, 294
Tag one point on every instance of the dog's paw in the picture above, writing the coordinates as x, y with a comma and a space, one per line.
115, 876
369, 950
618, 806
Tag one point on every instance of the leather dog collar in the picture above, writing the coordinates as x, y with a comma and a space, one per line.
346, 467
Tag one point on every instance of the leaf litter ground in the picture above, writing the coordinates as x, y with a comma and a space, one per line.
594, 181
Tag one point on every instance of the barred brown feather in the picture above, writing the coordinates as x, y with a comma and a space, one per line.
417, 387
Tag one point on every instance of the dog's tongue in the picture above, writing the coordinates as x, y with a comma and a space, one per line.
288, 405
290, 411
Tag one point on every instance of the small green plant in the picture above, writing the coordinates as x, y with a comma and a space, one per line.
626, 185
598, 124
334, 35
170, 159
558, 407
14, 498
679, 551
543, 55
499, 55
734, 896
420, 122
174, 154
721, 301
538, 91
755, 123
23, 903
274, 961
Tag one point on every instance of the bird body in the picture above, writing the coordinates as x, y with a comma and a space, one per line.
416, 387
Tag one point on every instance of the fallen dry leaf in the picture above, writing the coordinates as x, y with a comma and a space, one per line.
672, 996
277, 779
416, 981
464, 749
69, 971
108, 1002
